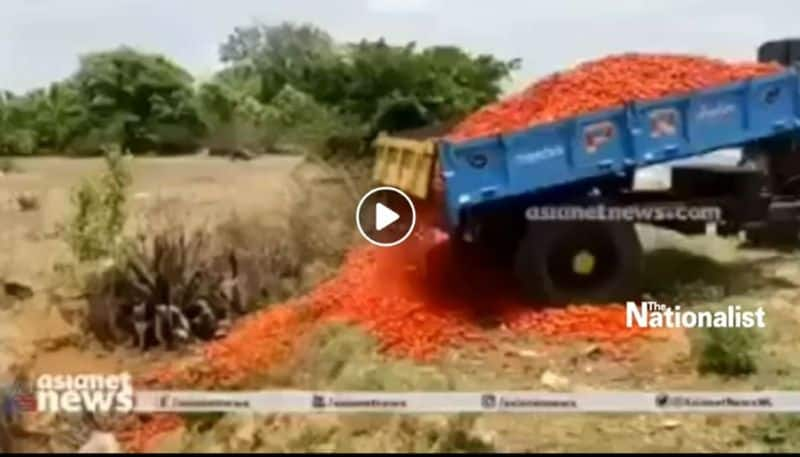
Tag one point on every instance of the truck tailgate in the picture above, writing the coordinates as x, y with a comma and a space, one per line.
405, 164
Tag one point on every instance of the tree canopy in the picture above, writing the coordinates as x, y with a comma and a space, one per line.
144, 101
278, 55
290, 83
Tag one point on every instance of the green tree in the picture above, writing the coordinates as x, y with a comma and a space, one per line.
17, 134
281, 54
234, 118
242, 78
58, 116
403, 87
367, 86
142, 101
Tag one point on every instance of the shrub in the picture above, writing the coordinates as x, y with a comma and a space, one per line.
18, 142
269, 262
345, 358
728, 351
8, 165
190, 285
95, 229
166, 289
28, 201
781, 433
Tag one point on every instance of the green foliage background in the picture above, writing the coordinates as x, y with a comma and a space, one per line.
282, 85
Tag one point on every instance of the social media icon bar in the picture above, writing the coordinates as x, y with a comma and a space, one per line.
385, 216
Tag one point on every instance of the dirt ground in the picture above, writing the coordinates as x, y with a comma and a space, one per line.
194, 191
707, 271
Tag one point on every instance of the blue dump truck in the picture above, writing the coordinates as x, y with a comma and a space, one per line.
518, 193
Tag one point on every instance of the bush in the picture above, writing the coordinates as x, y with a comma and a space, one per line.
166, 289
95, 229
21, 142
203, 278
27, 201
303, 121
781, 433
728, 351
8, 165
269, 260
235, 119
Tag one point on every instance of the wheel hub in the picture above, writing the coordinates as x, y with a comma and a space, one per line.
583, 263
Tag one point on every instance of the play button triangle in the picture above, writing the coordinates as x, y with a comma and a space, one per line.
384, 216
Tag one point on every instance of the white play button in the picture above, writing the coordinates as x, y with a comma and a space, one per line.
384, 217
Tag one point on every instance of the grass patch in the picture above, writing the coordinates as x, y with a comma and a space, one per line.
345, 358
779, 432
727, 351
675, 275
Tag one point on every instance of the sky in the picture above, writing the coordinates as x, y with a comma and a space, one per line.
41, 40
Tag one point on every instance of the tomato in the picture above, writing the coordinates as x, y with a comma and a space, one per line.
601, 84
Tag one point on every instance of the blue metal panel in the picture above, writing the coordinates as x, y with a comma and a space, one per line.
717, 118
616, 140
772, 105
660, 132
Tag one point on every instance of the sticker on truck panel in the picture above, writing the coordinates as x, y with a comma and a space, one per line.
715, 111
772, 95
597, 135
663, 122
546, 153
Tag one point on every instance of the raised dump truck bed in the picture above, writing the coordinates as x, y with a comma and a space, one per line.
491, 183
617, 141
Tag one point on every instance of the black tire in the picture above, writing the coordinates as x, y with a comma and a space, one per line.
545, 255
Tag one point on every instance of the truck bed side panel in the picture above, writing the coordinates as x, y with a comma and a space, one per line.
617, 141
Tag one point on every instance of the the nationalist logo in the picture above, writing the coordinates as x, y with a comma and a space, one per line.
658, 315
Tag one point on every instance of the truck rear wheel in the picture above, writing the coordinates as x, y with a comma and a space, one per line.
577, 262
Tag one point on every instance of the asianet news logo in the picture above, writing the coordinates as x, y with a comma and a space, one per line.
86, 392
